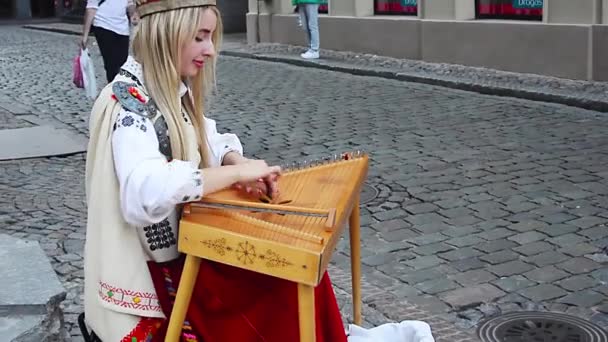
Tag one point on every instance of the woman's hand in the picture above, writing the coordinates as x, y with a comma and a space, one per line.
266, 188
265, 185
254, 170
83, 42
134, 18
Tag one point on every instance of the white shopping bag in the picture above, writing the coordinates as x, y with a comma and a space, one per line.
88, 74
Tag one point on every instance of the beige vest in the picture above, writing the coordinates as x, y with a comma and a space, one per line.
118, 286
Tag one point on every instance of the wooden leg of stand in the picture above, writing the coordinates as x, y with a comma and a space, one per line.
182, 299
306, 313
355, 261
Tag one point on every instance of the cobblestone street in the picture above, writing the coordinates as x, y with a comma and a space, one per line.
485, 204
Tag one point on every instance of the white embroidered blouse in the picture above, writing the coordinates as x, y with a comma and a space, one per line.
151, 184
128, 161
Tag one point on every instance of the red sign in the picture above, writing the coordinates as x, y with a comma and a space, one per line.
506, 9
395, 7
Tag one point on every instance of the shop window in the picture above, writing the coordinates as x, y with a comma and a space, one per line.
402, 7
6, 8
509, 9
42, 8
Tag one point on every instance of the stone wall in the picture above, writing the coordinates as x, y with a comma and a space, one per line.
233, 15
30, 294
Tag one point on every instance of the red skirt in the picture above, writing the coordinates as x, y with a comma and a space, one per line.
231, 304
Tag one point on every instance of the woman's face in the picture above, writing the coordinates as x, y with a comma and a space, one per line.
196, 53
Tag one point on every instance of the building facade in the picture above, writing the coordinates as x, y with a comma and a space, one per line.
233, 11
24, 9
562, 38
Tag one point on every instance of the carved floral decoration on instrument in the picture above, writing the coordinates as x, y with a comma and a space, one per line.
246, 253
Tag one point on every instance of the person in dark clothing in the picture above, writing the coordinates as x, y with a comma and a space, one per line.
110, 23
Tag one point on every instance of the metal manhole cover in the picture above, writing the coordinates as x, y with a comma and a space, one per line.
532, 326
368, 193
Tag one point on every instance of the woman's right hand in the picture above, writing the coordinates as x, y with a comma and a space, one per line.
83, 42
253, 170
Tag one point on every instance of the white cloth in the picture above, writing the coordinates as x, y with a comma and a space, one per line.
111, 15
406, 331
118, 286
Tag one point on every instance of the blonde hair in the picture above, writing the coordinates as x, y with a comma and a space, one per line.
157, 45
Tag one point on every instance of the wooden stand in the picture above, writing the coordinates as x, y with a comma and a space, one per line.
355, 260
182, 299
306, 299
306, 313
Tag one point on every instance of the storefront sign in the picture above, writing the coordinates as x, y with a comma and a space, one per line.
409, 2
528, 4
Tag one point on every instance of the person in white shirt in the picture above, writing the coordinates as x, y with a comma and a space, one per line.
109, 20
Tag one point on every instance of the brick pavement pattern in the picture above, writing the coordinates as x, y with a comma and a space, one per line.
485, 204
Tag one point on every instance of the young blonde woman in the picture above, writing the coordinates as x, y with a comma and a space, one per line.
151, 150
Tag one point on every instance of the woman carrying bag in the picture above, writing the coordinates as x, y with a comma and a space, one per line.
109, 20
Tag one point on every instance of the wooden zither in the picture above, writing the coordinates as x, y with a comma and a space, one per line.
290, 237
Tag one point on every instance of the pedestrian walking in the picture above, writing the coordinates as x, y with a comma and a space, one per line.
109, 21
308, 11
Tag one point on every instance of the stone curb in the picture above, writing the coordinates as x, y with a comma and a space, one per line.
30, 294
601, 106
53, 29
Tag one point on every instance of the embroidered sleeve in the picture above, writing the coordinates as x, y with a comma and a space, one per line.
150, 186
221, 144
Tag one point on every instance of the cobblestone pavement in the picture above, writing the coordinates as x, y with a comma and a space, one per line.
578, 93
485, 204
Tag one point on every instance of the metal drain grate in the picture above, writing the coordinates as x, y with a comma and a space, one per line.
368, 193
529, 326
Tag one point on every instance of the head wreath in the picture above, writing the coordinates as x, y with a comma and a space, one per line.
147, 7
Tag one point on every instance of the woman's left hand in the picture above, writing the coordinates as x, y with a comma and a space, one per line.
265, 189
134, 19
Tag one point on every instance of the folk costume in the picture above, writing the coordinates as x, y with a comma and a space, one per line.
135, 189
